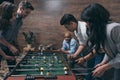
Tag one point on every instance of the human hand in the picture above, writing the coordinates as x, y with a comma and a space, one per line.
59, 50
100, 64
99, 71
80, 60
13, 49
73, 55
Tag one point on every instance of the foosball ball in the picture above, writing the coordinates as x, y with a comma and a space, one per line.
41, 66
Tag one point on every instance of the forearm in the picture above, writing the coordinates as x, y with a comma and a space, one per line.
65, 51
105, 59
115, 62
89, 56
5, 43
107, 66
80, 48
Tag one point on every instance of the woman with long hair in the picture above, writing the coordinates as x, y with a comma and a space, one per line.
103, 32
7, 17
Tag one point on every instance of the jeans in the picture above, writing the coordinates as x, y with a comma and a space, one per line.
93, 62
99, 57
117, 74
90, 64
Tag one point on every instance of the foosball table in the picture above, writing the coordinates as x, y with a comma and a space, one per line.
37, 65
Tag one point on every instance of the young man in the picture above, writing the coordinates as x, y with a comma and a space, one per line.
80, 30
71, 24
24, 9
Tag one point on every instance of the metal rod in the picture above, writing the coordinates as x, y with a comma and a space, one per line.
81, 74
82, 69
11, 66
38, 69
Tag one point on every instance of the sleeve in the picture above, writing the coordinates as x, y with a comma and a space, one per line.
63, 45
81, 39
106, 58
115, 35
73, 46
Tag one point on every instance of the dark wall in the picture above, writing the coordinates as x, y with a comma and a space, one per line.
44, 20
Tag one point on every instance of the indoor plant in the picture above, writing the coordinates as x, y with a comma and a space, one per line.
28, 38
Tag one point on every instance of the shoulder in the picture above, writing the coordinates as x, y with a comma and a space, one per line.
81, 23
113, 29
64, 40
73, 40
112, 26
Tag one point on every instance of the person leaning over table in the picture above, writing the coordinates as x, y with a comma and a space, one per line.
8, 13
9, 36
106, 32
79, 29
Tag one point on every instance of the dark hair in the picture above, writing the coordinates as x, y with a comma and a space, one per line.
67, 18
7, 10
98, 17
4, 24
26, 5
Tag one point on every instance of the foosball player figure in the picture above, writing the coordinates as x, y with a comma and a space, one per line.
36, 61
44, 57
55, 57
41, 70
28, 61
48, 73
65, 70
44, 61
52, 62
60, 61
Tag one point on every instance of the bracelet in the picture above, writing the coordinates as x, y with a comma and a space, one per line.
84, 59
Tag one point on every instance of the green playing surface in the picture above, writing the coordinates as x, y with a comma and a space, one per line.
45, 64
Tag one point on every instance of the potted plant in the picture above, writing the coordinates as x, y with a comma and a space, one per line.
28, 38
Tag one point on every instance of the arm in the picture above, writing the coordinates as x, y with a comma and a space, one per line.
7, 44
63, 49
85, 58
6, 56
80, 48
73, 46
115, 36
115, 62
82, 39
89, 56
99, 71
